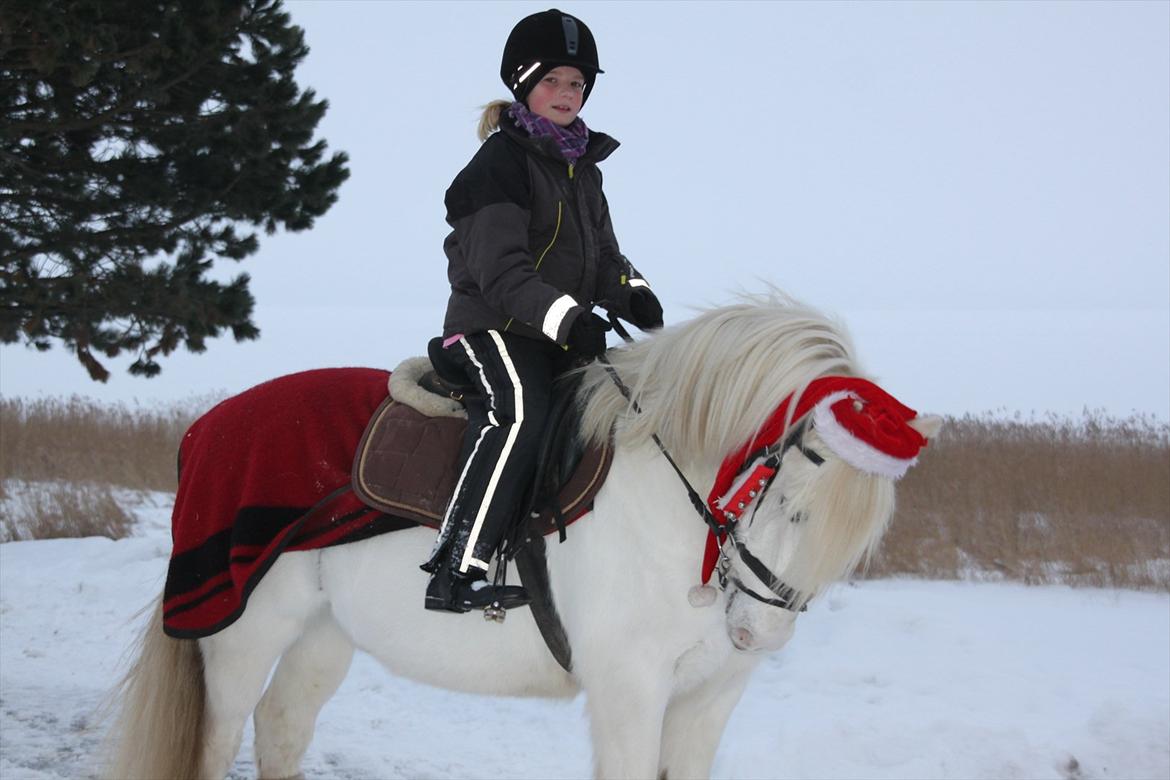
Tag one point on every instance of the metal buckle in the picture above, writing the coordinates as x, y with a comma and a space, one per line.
723, 565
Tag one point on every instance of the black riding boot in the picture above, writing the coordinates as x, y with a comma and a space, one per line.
451, 592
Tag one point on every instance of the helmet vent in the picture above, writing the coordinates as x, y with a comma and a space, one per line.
569, 24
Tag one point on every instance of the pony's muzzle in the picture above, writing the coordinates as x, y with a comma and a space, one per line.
758, 628
747, 641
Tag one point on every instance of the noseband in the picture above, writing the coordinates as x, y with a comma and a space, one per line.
786, 597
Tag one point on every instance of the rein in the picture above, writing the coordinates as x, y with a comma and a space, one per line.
786, 596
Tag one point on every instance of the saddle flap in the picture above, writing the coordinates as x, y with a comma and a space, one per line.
407, 463
565, 469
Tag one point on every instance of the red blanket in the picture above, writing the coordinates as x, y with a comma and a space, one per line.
263, 472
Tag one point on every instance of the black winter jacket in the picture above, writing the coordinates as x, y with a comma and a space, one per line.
532, 246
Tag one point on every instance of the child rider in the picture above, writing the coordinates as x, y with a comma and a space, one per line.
531, 251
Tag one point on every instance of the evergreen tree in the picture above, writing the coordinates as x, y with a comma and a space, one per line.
136, 138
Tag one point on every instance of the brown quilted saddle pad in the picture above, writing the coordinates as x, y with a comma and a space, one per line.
407, 465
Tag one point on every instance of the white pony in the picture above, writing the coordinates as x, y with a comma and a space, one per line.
662, 662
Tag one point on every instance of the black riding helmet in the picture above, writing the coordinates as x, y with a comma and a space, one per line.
543, 41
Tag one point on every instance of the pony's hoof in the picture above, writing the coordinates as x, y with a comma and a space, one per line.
701, 596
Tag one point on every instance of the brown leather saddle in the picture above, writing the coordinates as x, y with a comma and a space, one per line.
408, 462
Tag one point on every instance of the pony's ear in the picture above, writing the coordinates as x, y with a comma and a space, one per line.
927, 424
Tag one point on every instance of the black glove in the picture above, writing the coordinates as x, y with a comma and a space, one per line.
645, 310
587, 335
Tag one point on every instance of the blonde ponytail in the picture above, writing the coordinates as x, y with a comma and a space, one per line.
489, 121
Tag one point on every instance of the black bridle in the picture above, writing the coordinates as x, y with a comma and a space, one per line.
786, 597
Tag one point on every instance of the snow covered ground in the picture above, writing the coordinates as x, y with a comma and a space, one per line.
890, 679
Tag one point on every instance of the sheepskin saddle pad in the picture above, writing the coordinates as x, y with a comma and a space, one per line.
410, 455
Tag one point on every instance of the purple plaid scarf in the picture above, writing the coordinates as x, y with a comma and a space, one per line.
571, 140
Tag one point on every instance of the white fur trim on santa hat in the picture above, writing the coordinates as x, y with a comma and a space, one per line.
857, 453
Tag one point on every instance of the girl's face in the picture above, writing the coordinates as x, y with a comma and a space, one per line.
557, 96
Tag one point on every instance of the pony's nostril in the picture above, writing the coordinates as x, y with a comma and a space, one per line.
742, 638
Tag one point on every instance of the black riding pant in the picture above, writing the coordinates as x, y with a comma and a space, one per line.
514, 375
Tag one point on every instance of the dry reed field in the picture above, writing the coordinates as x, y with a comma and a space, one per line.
1057, 500
1082, 502
66, 457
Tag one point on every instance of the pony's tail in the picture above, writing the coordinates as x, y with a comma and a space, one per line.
489, 120
159, 709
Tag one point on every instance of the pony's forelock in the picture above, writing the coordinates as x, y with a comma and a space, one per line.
707, 385
846, 513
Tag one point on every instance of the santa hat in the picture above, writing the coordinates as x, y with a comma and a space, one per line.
858, 421
873, 437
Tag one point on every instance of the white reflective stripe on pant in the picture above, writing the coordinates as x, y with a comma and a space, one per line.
471, 458
513, 431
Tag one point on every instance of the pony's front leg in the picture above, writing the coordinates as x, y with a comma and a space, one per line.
626, 703
695, 720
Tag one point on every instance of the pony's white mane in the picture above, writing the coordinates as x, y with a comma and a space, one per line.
707, 385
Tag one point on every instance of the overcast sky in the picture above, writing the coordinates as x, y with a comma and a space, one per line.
981, 191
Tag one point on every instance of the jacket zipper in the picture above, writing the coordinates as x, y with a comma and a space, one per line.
581, 225
556, 232
539, 260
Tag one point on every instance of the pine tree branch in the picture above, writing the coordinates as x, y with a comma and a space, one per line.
126, 105
111, 234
